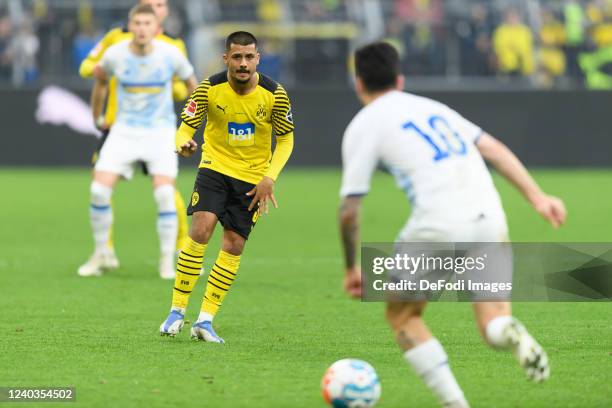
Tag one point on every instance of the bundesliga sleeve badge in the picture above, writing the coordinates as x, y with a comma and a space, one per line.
191, 108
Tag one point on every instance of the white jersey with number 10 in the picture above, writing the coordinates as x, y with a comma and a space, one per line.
430, 150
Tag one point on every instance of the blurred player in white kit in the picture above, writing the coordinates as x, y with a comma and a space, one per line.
144, 131
436, 157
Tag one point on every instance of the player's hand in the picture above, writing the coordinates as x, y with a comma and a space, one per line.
101, 124
352, 282
262, 193
189, 148
551, 208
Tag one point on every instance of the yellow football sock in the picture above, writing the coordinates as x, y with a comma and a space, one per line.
183, 225
220, 279
188, 268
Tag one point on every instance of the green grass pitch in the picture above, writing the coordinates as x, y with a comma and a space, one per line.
285, 320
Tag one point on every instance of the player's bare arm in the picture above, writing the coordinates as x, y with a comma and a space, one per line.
348, 217
509, 166
191, 83
98, 96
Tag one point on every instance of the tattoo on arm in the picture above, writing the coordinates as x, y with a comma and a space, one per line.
349, 228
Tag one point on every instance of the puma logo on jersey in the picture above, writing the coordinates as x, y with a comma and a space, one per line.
222, 108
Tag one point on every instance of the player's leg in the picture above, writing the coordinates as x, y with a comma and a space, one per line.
182, 232
424, 352
222, 275
101, 219
162, 163
115, 160
94, 159
207, 206
237, 222
167, 224
188, 269
502, 331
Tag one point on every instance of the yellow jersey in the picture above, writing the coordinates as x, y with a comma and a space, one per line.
179, 89
239, 128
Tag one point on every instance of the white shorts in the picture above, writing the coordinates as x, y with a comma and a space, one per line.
488, 232
125, 146
487, 227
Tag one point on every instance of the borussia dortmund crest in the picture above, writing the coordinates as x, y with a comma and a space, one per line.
195, 198
261, 111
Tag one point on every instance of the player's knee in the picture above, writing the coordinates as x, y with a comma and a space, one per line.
164, 197
233, 243
200, 235
100, 194
202, 226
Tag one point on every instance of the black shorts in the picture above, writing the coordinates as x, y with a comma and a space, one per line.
96, 154
225, 197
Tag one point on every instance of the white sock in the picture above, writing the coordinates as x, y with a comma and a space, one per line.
101, 214
495, 331
205, 317
430, 362
167, 223
181, 310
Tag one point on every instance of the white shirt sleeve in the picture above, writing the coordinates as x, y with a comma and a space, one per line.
107, 62
182, 67
359, 158
466, 129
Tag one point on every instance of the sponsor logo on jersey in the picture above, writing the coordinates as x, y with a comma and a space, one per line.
222, 108
191, 108
241, 134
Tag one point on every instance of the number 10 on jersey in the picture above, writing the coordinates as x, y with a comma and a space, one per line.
446, 142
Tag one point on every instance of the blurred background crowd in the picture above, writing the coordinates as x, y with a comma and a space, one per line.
445, 44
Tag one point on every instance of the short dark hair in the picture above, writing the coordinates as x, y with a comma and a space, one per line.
240, 38
378, 66
142, 9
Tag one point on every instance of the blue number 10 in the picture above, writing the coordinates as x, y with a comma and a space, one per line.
440, 127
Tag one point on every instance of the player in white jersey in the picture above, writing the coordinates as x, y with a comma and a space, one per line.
436, 156
144, 131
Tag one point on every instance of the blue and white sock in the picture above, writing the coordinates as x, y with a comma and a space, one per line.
167, 224
101, 214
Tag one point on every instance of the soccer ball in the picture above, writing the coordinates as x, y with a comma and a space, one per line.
350, 383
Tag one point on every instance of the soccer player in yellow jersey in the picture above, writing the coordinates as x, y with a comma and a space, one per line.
243, 110
179, 93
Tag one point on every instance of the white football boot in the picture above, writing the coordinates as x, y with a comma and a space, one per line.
205, 332
173, 324
530, 355
99, 262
